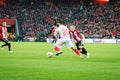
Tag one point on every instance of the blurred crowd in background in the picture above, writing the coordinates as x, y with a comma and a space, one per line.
37, 19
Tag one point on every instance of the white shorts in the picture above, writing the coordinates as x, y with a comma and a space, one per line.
64, 41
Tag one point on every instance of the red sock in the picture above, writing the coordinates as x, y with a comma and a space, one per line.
56, 48
77, 52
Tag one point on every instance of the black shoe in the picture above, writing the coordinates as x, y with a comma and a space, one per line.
59, 53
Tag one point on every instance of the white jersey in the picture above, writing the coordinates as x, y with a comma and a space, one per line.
63, 31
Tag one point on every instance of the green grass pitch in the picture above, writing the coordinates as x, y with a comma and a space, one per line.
29, 62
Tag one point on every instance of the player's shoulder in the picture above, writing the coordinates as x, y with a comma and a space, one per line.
61, 26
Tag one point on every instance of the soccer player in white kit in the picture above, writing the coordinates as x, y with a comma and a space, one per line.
63, 31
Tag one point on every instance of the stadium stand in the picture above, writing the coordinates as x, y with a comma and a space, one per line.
37, 18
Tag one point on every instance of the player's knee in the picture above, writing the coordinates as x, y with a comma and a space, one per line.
81, 50
9, 42
80, 47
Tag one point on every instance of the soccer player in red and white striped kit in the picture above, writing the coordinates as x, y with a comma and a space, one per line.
3, 36
78, 39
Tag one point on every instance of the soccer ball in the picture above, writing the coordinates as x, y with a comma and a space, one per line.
49, 54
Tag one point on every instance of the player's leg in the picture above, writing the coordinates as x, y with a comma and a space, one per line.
58, 46
7, 43
70, 45
81, 48
84, 51
53, 39
76, 51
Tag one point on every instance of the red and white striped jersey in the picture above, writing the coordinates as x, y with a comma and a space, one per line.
76, 35
3, 32
1, 37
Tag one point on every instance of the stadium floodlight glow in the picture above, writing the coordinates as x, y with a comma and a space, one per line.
103, 0
106, 0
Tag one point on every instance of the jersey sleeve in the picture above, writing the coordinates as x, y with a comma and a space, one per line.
53, 30
83, 37
56, 32
58, 29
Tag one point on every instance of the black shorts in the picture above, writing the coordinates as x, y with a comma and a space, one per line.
78, 44
5, 40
